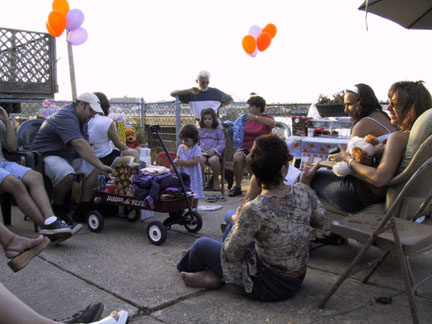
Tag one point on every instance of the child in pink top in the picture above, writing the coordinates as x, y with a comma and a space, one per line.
212, 143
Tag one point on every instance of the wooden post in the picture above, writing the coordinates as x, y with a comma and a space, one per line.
178, 121
71, 69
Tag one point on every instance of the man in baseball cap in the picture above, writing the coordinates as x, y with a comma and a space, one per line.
63, 142
92, 100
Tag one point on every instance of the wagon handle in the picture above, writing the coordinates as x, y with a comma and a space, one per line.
156, 130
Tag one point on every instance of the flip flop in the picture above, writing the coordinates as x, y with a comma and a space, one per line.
211, 198
220, 198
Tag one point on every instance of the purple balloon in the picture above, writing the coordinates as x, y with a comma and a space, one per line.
74, 19
77, 36
255, 31
254, 53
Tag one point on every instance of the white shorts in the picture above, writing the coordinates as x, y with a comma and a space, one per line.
57, 168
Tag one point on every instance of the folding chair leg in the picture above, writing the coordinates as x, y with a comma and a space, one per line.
346, 273
375, 266
405, 273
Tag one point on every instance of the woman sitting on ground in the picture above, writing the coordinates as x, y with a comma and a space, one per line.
366, 113
266, 248
102, 132
368, 185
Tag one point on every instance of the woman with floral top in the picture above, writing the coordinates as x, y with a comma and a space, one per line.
266, 248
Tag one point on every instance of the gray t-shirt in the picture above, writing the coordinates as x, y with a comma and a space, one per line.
56, 133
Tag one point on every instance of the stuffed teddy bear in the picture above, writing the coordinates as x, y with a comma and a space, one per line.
362, 150
131, 140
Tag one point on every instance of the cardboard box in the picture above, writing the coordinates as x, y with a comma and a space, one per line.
299, 125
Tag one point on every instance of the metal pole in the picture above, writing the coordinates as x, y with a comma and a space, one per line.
71, 69
177, 107
143, 122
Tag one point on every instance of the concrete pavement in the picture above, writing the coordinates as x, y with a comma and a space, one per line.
120, 268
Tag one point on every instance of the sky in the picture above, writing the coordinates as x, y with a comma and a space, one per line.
147, 48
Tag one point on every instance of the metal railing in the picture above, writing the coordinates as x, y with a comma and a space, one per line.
141, 115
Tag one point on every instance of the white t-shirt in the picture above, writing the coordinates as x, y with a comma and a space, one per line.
98, 135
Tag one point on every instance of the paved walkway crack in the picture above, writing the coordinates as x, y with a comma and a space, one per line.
91, 283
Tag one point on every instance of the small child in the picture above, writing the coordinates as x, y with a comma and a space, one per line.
212, 143
188, 158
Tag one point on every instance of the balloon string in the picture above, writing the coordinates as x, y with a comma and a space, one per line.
367, 4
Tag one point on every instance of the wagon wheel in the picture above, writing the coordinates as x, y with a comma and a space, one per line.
133, 214
193, 221
95, 221
156, 233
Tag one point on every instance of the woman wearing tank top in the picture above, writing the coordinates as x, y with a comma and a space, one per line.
368, 184
367, 115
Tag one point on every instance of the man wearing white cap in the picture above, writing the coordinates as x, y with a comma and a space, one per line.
63, 142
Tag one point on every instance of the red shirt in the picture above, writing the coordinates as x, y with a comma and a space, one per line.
253, 129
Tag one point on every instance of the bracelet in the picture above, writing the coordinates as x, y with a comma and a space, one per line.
350, 163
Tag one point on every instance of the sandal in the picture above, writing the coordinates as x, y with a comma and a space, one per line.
235, 191
120, 317
20, 258
220, 198
211, 198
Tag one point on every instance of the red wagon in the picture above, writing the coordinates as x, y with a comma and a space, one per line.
179, 209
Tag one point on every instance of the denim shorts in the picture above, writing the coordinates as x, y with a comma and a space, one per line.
12, 168
57, 168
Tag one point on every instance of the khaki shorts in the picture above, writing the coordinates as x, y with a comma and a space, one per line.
57, 168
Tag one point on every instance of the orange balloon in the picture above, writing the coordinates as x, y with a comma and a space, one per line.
271, 29
263, 41
57, 21
249, 44
51, 31
61, 5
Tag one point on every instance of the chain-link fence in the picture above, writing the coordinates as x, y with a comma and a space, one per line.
141, 115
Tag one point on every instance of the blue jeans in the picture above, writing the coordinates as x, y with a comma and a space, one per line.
228, 215
204, 253
339, 191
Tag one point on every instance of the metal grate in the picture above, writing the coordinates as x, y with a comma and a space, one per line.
27, 64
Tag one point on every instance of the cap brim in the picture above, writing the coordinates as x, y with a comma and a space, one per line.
97, 108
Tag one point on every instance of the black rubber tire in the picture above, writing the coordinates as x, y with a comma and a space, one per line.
193, 221
133, 215
95, 221
156, 233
